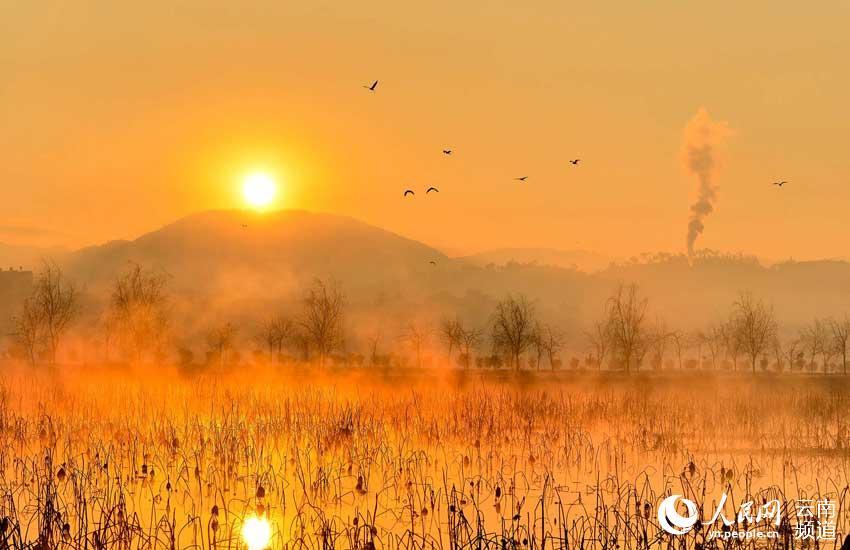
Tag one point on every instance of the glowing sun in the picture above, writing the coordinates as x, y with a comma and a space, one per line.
259, 190
257, 533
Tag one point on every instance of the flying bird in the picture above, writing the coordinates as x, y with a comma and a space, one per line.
780, 183
433, 262
432, 189
244, 225
447, 151
409, 192
522, 178
575, 161
372, 87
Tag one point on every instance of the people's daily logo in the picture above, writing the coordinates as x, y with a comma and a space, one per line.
672, 521
814, 520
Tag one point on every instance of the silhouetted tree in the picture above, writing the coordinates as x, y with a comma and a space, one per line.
374, 340
713, 339
267, 337
470, 338
513, 327
220, 339
599, 338
324, 305
28, 331
450, 333
553, 341
537, 344
416, 335
811, 339
679, 340
274, 333
54, 305
754, 325
659, 339
731, 339
840, 335
627, 324
788, 352
138, 311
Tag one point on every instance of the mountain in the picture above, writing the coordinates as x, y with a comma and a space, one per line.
242, 266
238, 253
583, 260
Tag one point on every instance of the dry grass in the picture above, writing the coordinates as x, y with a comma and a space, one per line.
146, 460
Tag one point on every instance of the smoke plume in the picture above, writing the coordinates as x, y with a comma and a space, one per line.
702, 141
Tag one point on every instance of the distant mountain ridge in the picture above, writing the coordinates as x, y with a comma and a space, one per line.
217, 251
243, 265
583, 260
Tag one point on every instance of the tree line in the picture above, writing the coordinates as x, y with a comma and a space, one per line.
136, 324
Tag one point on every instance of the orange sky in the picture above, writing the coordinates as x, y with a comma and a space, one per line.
116, 119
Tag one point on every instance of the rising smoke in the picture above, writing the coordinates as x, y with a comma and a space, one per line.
701, 143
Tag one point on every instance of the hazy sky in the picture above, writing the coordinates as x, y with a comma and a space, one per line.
119, 117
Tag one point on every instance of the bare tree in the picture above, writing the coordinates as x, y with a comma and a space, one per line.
537, 345
513, 327
55, 300
469, 338
731, 340
374, 341
679, 342
274, 333
139, 310
713, 339
553, 341
416, 335
267, 336
599, 339
451, 332
324, 306
626, 320
788, 352
816, 340
220, 340
840, 336
28, 330
301, 341
755, 326
659, 339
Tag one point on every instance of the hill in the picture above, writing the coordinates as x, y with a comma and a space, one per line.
241, 266
226, 253
583, 260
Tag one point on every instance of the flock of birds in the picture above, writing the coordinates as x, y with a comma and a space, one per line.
409, 192
372, 87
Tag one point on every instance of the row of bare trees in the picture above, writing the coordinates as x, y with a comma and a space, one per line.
626, 332
46, 314
824, 339
750, 333
138, 315
137, 321
317, 332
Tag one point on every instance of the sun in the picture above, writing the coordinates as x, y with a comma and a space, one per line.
257, 533
259, 190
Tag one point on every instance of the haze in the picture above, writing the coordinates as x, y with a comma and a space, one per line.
118, 119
